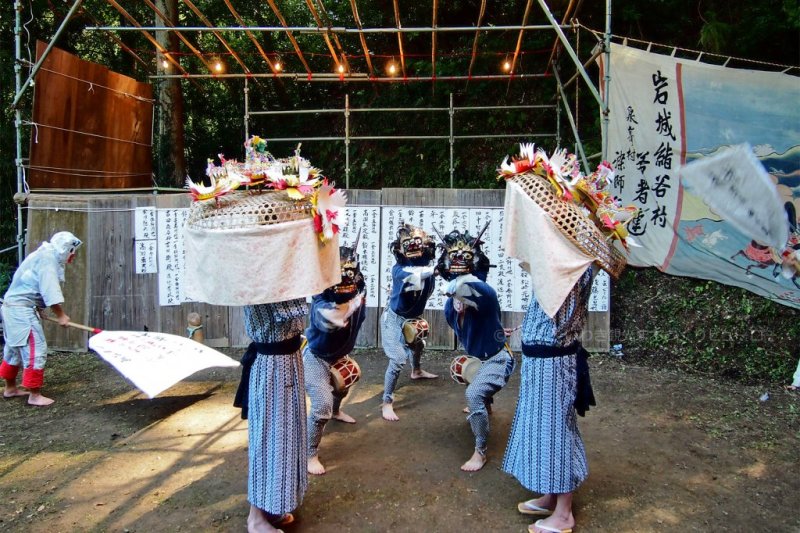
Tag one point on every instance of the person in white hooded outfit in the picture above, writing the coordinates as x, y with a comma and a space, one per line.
36, 285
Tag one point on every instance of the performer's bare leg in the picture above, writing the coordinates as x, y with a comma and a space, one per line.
562, 515
257, 522
475, 462
36, 398
416, 371
387, 411
12, 391
341, 416
315, 466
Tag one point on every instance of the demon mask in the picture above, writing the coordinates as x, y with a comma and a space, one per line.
413, 245
462, 254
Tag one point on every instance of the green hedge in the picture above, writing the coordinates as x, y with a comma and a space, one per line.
703, 326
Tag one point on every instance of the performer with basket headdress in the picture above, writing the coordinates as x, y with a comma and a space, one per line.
267, 249
558, 223
335, 318
403, 330
473, 311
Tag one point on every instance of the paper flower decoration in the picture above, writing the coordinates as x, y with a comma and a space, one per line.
261, 169
590, 192
295, 175
328, 202
213, 191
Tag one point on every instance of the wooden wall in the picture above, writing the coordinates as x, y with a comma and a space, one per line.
102, 290
73, 144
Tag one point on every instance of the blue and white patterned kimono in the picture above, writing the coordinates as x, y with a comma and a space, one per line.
545, 451
276, 429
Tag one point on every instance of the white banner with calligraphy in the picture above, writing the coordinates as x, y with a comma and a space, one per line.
155, 361
666, 112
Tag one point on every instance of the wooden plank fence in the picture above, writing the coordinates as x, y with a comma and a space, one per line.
103, 290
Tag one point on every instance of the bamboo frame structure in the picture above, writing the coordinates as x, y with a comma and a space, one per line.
339, 57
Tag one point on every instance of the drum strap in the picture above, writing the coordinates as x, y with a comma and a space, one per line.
284, 347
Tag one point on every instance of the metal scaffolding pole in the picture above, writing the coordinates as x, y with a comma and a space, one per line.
246, 110
607, 80
332, 29
18, 124
347, 141
452, 140
20, 88
571, 52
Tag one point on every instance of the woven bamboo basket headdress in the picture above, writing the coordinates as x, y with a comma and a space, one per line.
277, 190
580, 206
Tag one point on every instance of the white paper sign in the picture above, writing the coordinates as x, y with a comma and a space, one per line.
146, 252
736, 186
598, 299
145, 223
155, 361
367, 219
171, 256
511, 282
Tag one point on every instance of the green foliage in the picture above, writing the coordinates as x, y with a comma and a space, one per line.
682, 322
703, 326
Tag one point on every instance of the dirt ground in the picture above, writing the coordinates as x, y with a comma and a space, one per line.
667, 451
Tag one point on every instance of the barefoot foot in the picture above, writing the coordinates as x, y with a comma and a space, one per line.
315, 466
341, 416
421, 374
15, 393
475, 462
258, 522
39, 401
387, 411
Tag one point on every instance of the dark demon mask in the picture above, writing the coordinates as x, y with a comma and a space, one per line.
462, 254
352, 279
413, 245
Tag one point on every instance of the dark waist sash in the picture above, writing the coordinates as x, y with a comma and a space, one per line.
584, 395
284, 347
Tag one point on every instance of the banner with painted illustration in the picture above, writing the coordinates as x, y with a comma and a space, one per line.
711, 155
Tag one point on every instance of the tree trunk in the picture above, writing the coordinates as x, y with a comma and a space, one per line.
170, 161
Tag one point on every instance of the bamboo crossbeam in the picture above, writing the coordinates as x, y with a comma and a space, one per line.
185, 41
217, 34
399, 37
251, 36
147, 35
291, 38
361, 37
519, 38
433, 37
475, 41
324, 18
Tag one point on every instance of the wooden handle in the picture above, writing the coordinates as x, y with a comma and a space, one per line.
74, 325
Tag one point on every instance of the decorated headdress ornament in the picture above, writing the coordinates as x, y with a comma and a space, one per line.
412, 244
591, 193
352, 278
261, 170
462, 254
